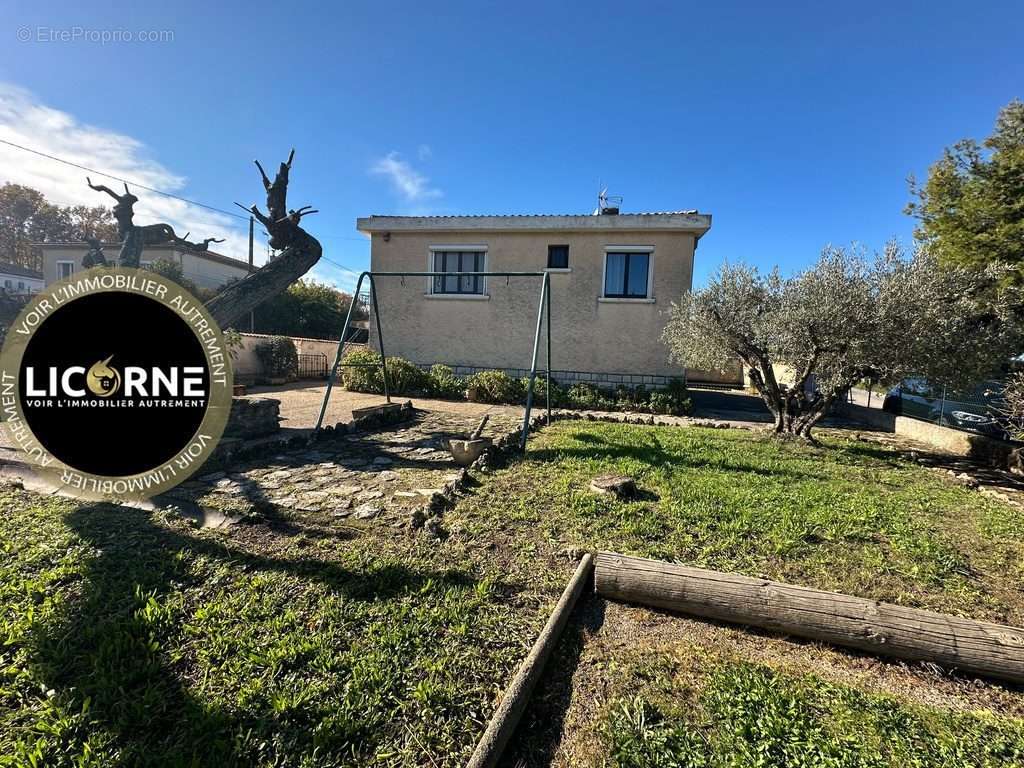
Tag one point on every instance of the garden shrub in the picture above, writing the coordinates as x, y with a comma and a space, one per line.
362, 379
403, 377
493, 387
540, 391
406, 378
444, 383
679, 395
278, 357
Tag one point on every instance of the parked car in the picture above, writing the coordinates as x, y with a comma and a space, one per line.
977, 410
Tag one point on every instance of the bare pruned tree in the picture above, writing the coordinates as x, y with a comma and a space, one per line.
299, 250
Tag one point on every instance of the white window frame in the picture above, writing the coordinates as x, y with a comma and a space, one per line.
61, 263
465, 248
649, 298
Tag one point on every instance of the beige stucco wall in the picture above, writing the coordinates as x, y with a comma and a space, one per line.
588, 334
247, 364
204, 272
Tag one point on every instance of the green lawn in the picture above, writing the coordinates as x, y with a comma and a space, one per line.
129, 638
699, 709
851, 516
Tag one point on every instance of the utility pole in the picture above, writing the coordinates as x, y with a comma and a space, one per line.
252, 314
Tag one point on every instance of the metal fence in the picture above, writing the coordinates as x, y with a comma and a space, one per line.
313, 366
978, 409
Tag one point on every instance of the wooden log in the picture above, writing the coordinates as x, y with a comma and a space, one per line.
513, 703
966, 645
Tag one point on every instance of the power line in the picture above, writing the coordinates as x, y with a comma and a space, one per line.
165, 194
125, 181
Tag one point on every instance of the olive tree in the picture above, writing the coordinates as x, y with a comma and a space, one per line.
847, 318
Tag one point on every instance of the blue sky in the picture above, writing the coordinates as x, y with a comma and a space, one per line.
794, 125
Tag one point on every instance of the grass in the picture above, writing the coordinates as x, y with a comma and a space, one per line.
852, 516
700, 709
130, 639
133, 639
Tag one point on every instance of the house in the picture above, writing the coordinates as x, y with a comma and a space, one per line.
204, 268
613, 278
19, 281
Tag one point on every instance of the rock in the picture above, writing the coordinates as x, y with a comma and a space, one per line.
212, 477
622, 486
406, 495
428, 492
369, 495
388, 476
433, 529
344, 490
382, 461
253, 417
366, 511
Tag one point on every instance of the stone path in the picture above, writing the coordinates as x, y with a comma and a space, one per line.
389, 475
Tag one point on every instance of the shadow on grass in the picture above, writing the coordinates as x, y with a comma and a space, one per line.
115, 644
656, 456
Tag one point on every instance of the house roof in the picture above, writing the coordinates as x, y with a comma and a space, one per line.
665, 221
208, 255
14, 269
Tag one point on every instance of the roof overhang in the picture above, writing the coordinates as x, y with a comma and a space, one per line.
693, 223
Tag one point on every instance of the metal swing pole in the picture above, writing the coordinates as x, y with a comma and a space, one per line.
380, 339
547, 323
533, 364
341, 350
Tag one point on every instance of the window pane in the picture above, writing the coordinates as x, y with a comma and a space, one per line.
615, 274
456, 262
558, 256
638, 275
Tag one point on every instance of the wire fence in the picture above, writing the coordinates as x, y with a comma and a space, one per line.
979, 409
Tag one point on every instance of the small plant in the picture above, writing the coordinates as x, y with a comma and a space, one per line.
680, 402
367, 376
278, 357
493, 387
442, 382
582, 395
660, 402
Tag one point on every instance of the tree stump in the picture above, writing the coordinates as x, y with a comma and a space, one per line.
622, 486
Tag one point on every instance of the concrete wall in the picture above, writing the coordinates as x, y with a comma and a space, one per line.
606, 341
247, 364
206, 271
986, 449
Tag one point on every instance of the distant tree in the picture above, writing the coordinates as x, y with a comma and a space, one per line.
971, 208
847, 318
308, 308
26, 218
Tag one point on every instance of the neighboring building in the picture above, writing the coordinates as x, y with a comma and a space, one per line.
19, 281
204, 268
613, 279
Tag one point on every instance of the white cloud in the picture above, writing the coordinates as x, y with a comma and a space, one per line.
411, 185
26, 121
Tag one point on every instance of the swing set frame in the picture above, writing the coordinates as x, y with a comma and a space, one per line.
543, 320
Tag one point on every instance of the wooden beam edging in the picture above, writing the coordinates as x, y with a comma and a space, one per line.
506, 717
978, 647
